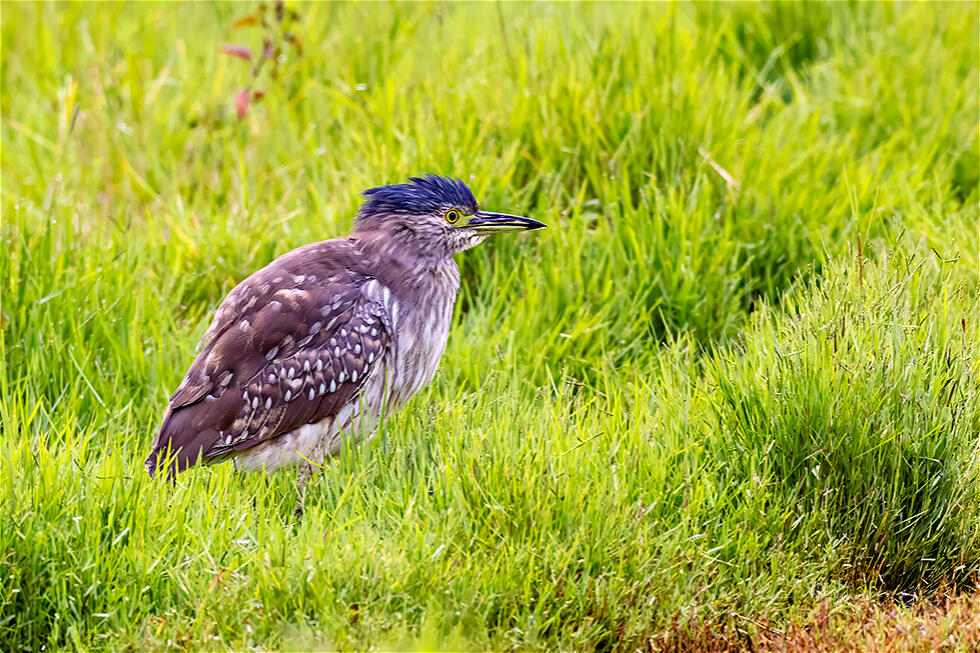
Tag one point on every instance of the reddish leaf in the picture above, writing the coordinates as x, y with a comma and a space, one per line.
267, 51
240, 51
216, 580
241, 102
294, 40
280, 10
246, 21
257, 94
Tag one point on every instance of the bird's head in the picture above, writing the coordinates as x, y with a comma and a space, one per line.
432, 216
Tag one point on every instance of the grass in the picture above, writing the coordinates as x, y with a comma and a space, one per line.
732, 384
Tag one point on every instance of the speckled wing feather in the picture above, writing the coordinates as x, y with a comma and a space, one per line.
286, 348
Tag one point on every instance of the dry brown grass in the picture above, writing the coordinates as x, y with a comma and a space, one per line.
944, 623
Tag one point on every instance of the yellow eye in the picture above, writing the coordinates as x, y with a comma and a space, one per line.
452, 216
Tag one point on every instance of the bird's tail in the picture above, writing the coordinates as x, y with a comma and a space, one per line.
178, 445
162, 459
173, 461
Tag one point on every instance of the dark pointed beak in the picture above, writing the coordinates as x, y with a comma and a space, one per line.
491, 223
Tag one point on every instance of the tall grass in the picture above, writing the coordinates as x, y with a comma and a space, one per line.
736, 376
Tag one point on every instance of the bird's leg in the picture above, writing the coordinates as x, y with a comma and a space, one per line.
305, 474
306, 471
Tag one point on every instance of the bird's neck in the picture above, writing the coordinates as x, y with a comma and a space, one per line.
402, 260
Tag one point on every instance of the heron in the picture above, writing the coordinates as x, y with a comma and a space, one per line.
328, 339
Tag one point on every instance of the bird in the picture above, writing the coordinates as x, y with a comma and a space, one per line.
327, 340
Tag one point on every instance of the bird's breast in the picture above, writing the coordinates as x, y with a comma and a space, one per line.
421, 314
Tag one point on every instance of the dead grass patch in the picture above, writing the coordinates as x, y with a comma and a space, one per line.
943, 623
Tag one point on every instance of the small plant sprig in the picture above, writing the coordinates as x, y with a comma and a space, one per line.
275, 20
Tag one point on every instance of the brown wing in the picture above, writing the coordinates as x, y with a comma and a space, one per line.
286, 348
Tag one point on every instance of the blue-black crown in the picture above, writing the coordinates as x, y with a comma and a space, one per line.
426, 194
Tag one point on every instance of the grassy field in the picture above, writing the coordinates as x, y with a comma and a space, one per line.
728, 399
